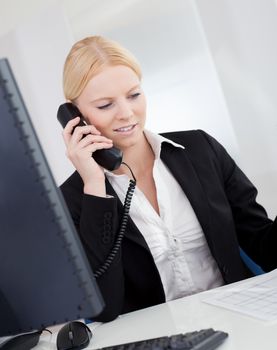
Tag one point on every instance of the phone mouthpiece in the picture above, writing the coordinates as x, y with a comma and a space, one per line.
109, 159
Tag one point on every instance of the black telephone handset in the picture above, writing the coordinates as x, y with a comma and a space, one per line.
110, 158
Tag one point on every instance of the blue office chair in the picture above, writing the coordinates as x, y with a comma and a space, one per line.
256, 269
88, 321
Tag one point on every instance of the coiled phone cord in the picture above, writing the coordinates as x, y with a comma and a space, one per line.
126, 208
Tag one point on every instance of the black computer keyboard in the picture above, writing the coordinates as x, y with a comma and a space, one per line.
204, 339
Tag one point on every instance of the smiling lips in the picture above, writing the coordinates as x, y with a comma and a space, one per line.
126, 128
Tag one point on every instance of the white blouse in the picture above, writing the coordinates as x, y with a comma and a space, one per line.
175, 238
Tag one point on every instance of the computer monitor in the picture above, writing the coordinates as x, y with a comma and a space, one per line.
45, 278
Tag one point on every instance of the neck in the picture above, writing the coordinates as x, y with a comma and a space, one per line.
140, 158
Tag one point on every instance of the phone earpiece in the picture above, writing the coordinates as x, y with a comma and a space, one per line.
68, 111
109, 159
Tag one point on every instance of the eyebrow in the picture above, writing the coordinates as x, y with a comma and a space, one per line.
109, 98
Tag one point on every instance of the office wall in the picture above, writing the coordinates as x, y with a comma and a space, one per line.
36, 45
207, 64
242, 42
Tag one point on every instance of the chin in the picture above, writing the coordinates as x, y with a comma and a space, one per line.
127, 142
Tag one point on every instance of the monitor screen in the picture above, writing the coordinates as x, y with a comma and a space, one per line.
45, 278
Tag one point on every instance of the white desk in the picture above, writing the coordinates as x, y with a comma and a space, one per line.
180, 316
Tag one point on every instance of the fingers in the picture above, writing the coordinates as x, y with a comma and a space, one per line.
91, 148
84, 149
69, 128
90, 139
82, 131
74, 133
82, 141
88, 145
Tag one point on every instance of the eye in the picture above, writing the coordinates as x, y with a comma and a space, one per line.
105, 106
135, 95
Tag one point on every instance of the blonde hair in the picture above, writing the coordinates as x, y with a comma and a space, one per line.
88, 57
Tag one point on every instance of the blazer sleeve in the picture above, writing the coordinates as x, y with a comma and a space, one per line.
257, 234
96, 220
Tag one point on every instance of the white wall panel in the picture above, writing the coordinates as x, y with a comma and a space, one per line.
36, 50
242, 41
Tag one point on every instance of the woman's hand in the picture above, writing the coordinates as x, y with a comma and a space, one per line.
80, 143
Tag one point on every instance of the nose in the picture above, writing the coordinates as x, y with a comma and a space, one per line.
124, 109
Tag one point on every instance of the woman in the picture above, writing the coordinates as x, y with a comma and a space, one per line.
192, 207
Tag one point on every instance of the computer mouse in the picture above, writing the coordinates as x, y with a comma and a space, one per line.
73, 335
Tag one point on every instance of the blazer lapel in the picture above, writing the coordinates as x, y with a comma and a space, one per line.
177, 160
132, 232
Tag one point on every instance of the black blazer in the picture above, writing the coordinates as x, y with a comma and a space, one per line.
223, 199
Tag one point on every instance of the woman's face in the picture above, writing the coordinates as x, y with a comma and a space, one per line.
114, 103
